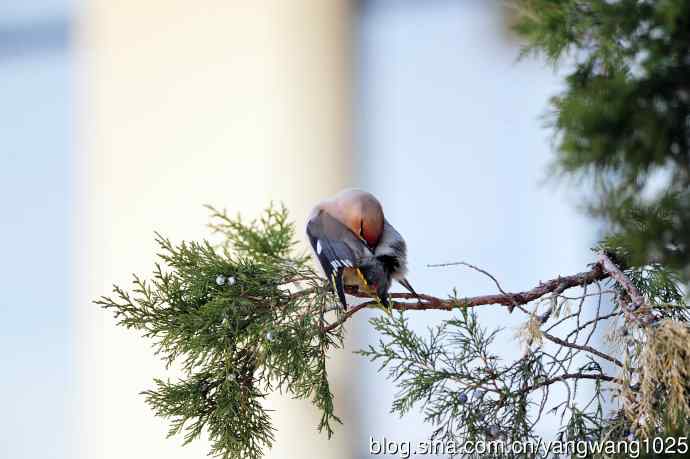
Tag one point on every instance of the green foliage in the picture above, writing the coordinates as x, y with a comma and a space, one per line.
636, 384
623, 121
245, 318
269, 238
460, 384
229, 319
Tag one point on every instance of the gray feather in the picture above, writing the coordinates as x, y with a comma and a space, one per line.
392, 248
336, 248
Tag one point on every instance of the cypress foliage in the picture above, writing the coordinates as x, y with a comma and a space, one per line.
623, 120
227, 318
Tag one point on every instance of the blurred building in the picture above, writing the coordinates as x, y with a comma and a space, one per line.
233, 104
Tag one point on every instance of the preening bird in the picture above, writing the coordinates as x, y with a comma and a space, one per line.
355, 244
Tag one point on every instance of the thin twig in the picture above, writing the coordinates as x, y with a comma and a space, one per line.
566, 376
590, 322
486, 273
506, 298
581, 347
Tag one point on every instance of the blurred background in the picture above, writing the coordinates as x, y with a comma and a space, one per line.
123, 118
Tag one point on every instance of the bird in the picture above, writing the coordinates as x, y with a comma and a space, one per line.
355, 245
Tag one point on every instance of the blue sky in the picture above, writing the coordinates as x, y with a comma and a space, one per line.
451, 138
35, 185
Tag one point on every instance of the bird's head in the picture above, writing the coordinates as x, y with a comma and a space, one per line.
363, 214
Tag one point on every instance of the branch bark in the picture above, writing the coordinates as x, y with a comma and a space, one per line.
621, 278
633, 312
426, 302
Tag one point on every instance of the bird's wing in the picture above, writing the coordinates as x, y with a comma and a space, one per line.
336, 248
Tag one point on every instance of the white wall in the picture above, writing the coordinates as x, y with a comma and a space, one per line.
185, 103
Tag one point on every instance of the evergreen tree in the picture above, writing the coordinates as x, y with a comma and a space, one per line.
623, 121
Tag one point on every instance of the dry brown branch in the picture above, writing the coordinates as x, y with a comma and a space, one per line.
426, 302
633, 312
621, 278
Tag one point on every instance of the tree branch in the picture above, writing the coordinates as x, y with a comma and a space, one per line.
426, 302
563, 377
582, 347
632, 311
621, 278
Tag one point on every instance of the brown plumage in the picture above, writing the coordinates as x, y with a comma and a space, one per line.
360, 211
355, 244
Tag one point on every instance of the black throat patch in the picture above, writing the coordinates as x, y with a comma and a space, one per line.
390, 263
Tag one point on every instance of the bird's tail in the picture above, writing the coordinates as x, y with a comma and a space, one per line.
337, 284
405, 283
